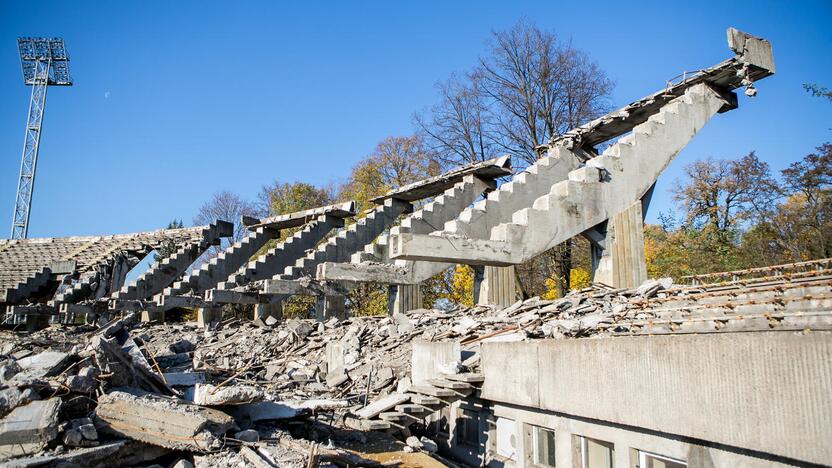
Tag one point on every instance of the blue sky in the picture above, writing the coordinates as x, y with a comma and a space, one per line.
176, 100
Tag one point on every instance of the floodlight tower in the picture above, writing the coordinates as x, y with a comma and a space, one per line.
45, 63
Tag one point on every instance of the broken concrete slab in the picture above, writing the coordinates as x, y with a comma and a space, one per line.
12, 397
275, 410
161, 421
184, 379
28, 429
379, 406
209, 395
45, 364
118, 453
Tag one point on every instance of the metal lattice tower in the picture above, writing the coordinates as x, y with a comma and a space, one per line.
45, 63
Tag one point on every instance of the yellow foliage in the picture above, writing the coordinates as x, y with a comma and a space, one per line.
579, 278
462, 286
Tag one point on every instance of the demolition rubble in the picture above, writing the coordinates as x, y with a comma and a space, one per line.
276, 394
642, 371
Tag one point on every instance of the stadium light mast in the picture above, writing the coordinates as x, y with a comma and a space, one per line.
45, 63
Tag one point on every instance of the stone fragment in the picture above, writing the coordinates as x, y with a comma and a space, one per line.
248, 435
181, 346
271, 321
12, 397
300, 328
183, 464
209, 395
184, 379
28, 429
161, 421
88, 431
73, 438
429, 445
414, 442
45, 364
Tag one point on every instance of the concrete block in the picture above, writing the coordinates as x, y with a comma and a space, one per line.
28, 429
205, 316
429, 359
161, 421
209, 395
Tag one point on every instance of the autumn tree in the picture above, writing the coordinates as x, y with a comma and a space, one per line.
226, 206
724, 194
528, 88
800, 226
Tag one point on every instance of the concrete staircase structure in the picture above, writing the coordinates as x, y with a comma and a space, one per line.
401, 410
164, 272
603, 187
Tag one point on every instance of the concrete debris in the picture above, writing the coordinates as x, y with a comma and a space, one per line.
12, 397
28, 429
271, 388
165, 422
248, 435
209, 395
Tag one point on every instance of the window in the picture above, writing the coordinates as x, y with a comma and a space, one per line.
543, 446
467, 428
596, 453
506, 439
652, 460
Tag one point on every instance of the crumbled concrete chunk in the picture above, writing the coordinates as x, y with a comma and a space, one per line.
161, 421
209, 395
249, 435
12, 397
27, 429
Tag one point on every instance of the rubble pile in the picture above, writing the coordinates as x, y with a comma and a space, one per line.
281, 393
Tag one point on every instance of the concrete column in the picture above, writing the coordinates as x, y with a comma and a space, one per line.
157, 315
327, 307
403, 297
498, 286
264, 311
207, 315
620, 262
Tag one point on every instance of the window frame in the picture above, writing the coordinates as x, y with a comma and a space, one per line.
584, 452
535, 430
643, 454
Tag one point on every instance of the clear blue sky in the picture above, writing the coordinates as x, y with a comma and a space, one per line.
176, 100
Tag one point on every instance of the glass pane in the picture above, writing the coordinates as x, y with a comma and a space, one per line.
652, 461
544, 447
599, 454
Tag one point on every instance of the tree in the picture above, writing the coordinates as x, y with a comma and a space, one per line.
458, 128
169, 247
800, 226
528, 88
282, 198
396, 161
817, 91
226, 206
725, 194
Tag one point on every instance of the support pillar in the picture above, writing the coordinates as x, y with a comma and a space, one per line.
327, 307
206, 316
264, 311
403, 298
157, 315
619, 260
498, 286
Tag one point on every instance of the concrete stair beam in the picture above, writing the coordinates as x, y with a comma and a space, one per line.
80, 289
354, 238
286, 253
225, 264
28, 287
605, 186
478, 220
